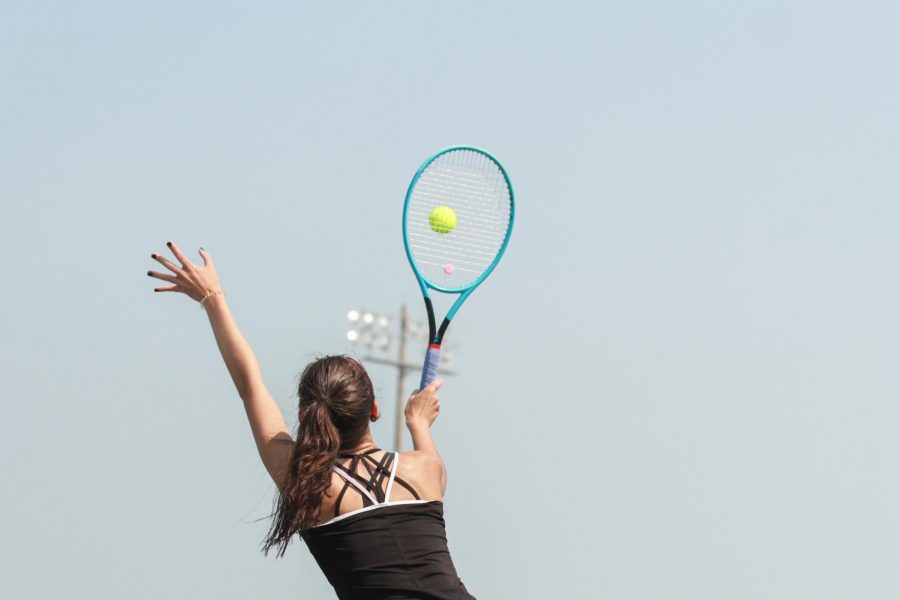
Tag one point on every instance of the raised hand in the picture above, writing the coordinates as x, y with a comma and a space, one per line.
196, 281
424, 405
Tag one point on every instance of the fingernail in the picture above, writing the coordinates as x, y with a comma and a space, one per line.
149, 273
202, 248
153, 255
169, 244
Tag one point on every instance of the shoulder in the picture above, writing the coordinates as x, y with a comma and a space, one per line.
425, 471
420, 460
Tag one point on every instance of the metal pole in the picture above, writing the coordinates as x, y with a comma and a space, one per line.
401, 375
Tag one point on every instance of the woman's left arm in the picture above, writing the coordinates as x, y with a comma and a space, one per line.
200, 282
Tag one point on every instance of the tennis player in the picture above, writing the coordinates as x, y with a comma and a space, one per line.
372, 519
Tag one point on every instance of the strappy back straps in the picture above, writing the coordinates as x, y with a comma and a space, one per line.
373, 490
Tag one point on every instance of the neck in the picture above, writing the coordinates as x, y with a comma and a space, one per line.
365, 443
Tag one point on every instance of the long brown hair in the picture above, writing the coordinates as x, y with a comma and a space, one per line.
336, 397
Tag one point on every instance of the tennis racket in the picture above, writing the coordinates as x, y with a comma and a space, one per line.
457, 219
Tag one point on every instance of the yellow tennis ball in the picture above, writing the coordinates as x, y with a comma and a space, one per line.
442, 219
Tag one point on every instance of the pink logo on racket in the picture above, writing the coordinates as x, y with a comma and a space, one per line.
448, 269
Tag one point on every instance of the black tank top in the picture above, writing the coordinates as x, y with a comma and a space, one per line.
385, 550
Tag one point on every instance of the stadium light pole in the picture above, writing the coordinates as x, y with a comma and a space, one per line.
375, 333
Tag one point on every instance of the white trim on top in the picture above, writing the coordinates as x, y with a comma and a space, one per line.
396, 465
370, 508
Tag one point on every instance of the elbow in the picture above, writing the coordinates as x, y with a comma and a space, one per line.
244, 389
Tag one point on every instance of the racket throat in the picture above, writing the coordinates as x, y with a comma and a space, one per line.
440, 334
432, 334
435, 335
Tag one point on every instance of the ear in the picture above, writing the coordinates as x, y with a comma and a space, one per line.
376, 413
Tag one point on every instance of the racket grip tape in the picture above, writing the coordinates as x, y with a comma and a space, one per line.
430, 370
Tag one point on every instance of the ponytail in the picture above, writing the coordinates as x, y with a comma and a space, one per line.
333, 400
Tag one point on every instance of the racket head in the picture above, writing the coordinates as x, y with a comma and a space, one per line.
476, 188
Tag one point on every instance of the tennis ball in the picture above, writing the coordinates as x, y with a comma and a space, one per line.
442, 219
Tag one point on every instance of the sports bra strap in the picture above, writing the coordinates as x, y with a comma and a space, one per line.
361, 488
390, 484
371, 490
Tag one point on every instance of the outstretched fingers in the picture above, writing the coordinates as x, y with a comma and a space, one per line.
207, 259
166, 263
185, 263
195, 280
168, 278
162, 276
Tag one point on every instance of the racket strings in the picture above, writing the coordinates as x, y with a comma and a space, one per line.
476, 190
454, 246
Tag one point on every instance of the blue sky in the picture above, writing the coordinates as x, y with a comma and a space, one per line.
681, 381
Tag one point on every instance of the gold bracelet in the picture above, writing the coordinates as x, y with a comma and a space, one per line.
210, 295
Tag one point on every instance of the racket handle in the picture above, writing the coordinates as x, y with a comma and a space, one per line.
432, 359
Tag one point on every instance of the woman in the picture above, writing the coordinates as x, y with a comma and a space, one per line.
372, 519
